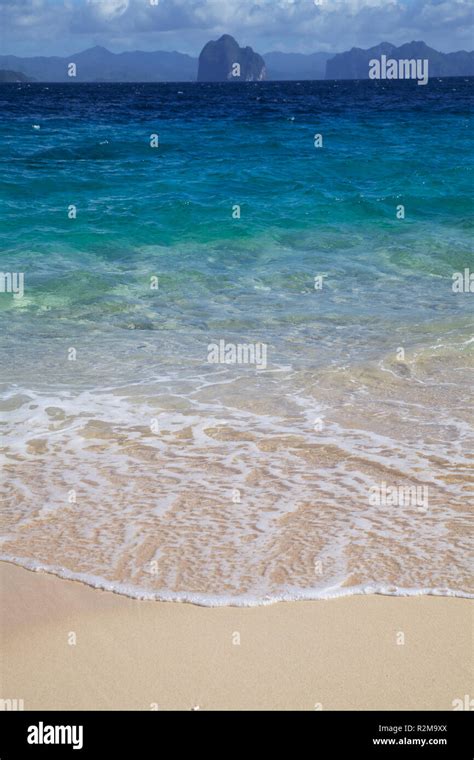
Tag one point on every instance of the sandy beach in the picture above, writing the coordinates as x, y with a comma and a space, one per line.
68, 646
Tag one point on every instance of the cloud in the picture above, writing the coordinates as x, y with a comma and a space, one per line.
108, 9
63, 26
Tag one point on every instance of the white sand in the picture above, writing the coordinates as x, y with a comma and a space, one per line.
341, 653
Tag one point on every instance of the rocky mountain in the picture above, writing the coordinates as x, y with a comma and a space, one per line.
354, 64
98, 64
7, 75
224, 61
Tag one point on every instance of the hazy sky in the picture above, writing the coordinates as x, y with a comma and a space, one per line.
60, 27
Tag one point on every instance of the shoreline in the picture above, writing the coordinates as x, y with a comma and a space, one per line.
242, 601
69, 646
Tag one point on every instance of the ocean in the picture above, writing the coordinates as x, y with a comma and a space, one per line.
303, 234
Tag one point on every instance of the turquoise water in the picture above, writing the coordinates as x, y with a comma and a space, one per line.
141, 352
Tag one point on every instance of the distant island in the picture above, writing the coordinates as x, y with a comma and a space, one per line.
224, 60
7, 75
355, 63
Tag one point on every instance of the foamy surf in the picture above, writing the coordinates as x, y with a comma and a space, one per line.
244, 600
254, 491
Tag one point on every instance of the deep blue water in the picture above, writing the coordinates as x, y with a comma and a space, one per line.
305, 211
